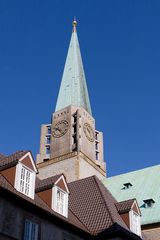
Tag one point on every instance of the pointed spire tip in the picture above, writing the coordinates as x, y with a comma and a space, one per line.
74, 24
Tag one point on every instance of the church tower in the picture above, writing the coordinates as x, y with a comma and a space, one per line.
70, 144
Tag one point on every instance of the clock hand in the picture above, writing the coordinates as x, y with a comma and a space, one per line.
89, 132
58, 129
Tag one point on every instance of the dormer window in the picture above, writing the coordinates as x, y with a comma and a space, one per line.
54, 191
60, 201
25, 176
148, 202
135, 223
25, 180
130, 213
127, 185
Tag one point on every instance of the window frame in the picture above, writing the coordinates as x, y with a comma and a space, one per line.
135, 224
21, 184
30, 230
55, 190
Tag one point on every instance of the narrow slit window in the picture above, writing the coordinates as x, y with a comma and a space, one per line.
48, 150
96, 135
97, 155
48, 129
48, 139
96, 145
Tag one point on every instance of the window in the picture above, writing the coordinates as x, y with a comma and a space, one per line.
127, 185
30, 230
97, 155
48, 129
48, 150
135, 223
48, 139
148, 203
96, 145
74, 128
60, 201
75, 117
25, 180
67, 236
74, 139
96, 135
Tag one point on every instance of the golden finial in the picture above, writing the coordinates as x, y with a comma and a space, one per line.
74, 24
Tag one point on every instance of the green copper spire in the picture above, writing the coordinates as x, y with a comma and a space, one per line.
73, 89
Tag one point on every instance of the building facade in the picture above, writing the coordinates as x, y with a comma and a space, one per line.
72, 145
142, 185
61, 196
52, 208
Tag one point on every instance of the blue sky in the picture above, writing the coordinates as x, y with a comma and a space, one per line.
120, 46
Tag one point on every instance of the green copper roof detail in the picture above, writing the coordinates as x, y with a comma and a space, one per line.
145, 185
73, 89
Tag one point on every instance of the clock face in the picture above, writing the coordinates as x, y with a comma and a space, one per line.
60, 129
88, 132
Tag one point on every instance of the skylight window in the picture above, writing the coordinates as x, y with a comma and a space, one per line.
127, 185
148, 202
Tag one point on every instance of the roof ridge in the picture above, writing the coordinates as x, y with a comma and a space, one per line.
79, 220
138, 170
131, 199
57, 175
100, 186
46, 183
18, 152
97, 183
12, 159
83, 179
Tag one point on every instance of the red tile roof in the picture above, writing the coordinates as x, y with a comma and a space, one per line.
2, 156
124, 206
38, 202
47, 183
92, 208
11, 160
94, 205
